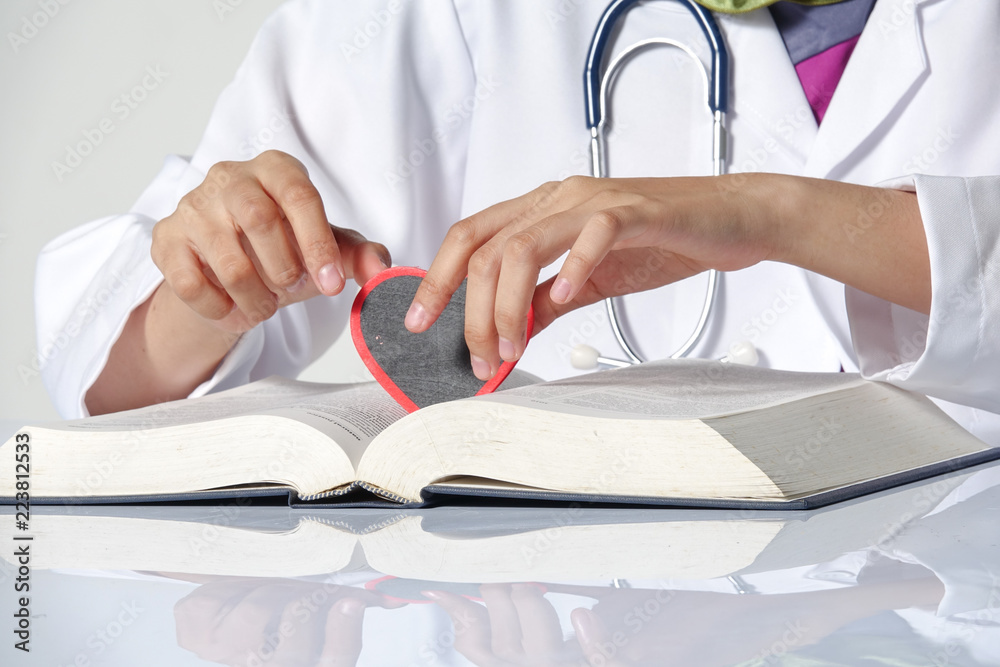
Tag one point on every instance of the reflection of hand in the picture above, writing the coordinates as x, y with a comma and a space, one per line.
664, 627
280, 622
517, 626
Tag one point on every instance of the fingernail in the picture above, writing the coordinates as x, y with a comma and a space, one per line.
586, 630
432, 595
385, 264
560, 290
416, 316
331, 278
480, 368
351, 607
507, 351
299, 285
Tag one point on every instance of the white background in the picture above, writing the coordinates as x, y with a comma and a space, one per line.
60, 84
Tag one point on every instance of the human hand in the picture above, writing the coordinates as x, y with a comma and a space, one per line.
279, 621
516, 626
254, 237
623, 236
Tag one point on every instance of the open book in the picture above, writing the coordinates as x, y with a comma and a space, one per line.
684, 432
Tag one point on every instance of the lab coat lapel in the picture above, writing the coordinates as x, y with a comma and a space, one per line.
888, 63
766, 94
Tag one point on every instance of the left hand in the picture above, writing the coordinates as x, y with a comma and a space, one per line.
283, 622
623, 236
635, 234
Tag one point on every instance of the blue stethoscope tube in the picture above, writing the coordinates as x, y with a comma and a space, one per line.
597, 79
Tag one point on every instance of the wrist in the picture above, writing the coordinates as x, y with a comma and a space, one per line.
186, 341
770, 208
796, 214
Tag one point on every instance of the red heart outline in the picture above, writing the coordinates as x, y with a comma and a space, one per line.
376, 370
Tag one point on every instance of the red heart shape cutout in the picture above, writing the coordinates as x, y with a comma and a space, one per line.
417, 369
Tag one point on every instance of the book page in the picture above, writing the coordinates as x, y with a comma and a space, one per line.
349, 414
675, 389
351, 420
254, 398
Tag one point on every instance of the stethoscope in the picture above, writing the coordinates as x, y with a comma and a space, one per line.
596, 89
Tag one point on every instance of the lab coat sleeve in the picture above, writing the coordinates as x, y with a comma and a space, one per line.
368, 96
954, 353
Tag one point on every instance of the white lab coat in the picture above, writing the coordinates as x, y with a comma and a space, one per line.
411, 115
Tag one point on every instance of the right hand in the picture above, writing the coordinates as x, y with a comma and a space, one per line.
254, 237
281, 622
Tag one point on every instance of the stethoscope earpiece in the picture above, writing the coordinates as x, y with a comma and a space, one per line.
586, 358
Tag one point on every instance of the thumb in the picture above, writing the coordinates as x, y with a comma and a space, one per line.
362, 258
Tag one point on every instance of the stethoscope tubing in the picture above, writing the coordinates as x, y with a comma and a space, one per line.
598, 80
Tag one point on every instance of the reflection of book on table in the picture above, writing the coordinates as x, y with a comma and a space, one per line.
682, 432
456, 545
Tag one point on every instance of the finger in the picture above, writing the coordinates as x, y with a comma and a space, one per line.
540, 628
471, 626
342, 647
496, 308
245, 620
362, 258
286, 181
598, 236
504, 621
262, 223
451, 264
184, 273
223, 252
547, 311
480, 303
524, 254
595, 640
296, 638
614, 276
